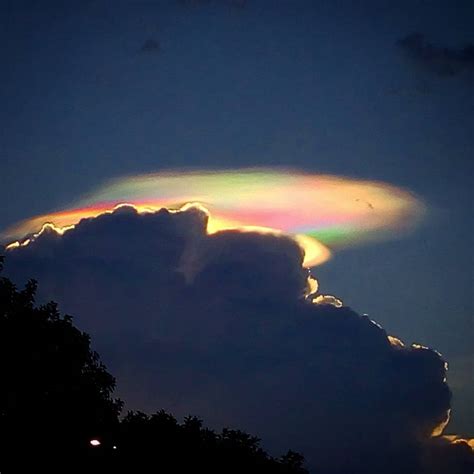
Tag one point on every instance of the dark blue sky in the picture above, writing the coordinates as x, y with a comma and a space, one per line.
321, 86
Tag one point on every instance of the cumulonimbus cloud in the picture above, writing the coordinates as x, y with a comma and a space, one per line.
229, 326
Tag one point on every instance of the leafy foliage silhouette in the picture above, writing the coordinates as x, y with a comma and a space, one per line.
56, 396
188, 447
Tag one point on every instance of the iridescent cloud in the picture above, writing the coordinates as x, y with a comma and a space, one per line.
321, 211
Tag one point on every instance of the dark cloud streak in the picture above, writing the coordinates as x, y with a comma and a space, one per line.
439, 60
151, 46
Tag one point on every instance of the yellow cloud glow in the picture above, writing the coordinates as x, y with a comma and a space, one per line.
321, 212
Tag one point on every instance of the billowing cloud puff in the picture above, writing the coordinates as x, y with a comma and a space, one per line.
228, 326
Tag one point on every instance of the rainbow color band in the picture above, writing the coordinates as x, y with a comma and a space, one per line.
320, 211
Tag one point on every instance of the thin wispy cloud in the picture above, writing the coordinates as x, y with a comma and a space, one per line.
151, 46
441, 61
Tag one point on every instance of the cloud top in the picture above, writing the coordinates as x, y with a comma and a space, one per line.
320, 211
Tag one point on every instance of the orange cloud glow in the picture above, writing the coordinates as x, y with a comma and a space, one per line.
319, 211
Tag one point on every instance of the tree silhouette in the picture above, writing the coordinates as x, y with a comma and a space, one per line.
160, 441
56, 394
56, 397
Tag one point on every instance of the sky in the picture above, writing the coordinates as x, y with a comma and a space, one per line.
97, 90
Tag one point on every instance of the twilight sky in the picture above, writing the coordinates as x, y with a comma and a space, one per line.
95, 90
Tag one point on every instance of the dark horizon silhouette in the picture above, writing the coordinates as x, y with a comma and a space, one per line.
57, 413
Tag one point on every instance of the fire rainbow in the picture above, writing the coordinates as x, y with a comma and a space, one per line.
322, 212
